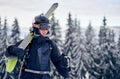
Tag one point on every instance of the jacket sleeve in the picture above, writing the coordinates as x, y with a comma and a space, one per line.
56, 58
13, 50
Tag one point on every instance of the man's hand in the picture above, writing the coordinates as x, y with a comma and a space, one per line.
65, 60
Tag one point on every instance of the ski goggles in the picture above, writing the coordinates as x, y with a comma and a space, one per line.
44, 26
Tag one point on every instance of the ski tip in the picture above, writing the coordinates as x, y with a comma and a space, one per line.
56, 4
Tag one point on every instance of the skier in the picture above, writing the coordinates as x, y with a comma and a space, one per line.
39, 53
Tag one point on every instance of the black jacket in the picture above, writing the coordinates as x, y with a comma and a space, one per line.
41, 51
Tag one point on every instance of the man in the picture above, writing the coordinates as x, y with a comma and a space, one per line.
39, 53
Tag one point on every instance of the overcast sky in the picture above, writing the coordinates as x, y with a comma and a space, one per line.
84, 10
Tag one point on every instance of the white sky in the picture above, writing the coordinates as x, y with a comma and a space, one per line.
84, 10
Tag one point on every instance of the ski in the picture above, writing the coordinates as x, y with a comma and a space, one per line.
11, 63
51, 10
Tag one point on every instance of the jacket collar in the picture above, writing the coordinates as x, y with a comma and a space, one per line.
41, 39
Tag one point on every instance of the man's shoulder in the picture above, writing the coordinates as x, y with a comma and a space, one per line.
51, 42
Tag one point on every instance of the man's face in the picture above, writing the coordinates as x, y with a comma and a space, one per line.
43, 32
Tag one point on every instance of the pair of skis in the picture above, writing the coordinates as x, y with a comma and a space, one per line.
11, 63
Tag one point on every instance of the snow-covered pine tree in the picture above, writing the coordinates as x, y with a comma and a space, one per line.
3, 46
107, 52
55, 32
5, 29
14, 38
77, 51
113, 56
118, 44
15, 35
2, 63
90, 54
118, 54
55, 35
102, 50
69, 36
90, 35
73, 46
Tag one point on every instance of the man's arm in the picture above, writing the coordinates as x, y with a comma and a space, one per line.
59, 61
15, 51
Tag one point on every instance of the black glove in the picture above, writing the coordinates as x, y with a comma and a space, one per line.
65, 60
15, 51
